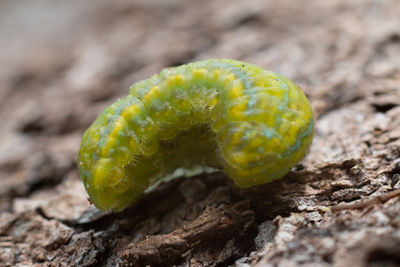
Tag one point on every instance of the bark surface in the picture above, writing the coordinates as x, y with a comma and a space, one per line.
63, 64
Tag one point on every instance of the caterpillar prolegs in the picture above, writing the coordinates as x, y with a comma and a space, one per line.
252, 123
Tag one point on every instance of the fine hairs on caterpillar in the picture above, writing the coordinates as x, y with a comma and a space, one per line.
252, 123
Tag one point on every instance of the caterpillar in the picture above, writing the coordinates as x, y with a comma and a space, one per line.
222, 113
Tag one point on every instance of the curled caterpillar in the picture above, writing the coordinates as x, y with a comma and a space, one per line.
222, 113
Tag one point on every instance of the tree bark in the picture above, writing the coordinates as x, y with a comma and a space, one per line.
339, 207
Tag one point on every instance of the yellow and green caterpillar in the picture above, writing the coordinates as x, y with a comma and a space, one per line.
223, 113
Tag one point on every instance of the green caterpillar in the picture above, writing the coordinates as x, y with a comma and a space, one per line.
222, 113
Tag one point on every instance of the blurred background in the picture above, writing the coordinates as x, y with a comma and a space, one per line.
62, 62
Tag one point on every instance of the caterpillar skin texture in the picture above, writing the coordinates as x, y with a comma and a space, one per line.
236, 116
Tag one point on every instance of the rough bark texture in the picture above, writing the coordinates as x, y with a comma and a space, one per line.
62, 63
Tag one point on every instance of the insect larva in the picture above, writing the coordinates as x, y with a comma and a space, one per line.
250, 122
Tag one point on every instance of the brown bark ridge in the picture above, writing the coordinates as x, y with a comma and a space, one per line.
63, 64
